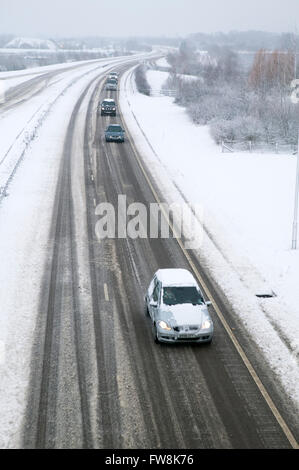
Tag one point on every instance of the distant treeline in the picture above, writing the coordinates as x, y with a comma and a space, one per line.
83, 43
247, 105
236, 40
244, 40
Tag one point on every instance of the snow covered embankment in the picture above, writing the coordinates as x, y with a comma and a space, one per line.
21, 128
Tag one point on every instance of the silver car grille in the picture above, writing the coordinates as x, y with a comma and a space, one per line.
186, 328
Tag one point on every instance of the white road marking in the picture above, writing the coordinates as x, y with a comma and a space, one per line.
106, 292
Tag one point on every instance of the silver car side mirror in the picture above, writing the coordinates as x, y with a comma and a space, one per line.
153, 303
208, 303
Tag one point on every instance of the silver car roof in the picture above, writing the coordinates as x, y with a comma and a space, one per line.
176, 277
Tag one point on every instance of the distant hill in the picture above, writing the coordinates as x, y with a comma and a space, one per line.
31, 43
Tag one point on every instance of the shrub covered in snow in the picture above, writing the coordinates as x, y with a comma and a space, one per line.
141, 81
253, 106
245, 128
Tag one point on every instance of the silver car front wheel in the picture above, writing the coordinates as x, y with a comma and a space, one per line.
155, 334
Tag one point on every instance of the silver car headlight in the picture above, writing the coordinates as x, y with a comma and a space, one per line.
206, 324
164, 325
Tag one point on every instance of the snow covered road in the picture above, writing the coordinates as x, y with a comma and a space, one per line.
78, 364
32, 136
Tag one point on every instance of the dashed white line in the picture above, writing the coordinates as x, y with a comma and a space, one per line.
106, 292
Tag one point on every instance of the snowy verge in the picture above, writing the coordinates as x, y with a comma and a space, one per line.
14, 146
187, 165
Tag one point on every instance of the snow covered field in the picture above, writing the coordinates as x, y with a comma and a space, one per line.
248, 208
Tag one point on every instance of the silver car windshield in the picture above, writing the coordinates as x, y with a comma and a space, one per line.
182, 295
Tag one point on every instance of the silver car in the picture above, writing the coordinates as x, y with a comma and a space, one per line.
113, 75
111, 84
177, 309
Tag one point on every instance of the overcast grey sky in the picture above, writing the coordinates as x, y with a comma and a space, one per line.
144, 17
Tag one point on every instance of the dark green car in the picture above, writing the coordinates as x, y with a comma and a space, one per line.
114, 133
108, 107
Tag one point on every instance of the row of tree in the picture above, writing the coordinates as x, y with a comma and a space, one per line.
275, 69
238, 104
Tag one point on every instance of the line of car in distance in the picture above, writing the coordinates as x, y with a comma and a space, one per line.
113, 132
